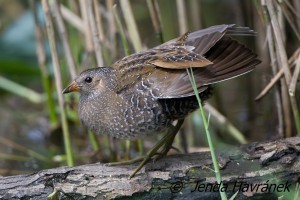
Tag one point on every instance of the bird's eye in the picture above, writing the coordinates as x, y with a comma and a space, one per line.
88, 79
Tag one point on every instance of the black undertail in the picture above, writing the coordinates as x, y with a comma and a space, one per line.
179, 108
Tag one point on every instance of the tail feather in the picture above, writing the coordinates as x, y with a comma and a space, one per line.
229, 59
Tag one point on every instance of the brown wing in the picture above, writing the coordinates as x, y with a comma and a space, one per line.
178, 55
213, 55
131, 69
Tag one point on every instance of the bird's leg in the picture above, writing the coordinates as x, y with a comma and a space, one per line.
166, 142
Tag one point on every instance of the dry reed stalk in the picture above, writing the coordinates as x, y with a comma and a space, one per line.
41, 55
288, 101
58, 83
182, 17
279, 41
277, 76
112, 26
295, 77
99, 23
64, 38
131, 25
183, 28
155, 18
88, 34
196, 14
275, 67
296, 7
72, 18
93, 25
289, 17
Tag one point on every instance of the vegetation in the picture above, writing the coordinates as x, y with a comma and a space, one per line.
70, 36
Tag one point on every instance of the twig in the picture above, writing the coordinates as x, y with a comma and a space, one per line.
131, 25
277, 76
92, 23
64, 37
58, 83
72, 18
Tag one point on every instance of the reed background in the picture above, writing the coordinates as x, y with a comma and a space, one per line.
38, 125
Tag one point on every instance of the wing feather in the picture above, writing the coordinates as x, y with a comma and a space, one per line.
213, 55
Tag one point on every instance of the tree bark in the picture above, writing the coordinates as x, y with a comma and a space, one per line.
275, 165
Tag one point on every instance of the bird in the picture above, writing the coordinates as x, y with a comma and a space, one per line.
146, 92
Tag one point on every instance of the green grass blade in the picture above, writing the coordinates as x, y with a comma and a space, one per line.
210, 144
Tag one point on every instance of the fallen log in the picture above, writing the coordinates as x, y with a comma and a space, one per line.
261, 170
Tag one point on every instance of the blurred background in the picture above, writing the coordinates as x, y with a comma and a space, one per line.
38, 127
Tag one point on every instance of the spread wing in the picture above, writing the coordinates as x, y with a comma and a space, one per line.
212, 54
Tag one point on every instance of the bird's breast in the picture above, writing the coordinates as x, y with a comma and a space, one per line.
132, 117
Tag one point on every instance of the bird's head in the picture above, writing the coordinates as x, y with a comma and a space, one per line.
93, 81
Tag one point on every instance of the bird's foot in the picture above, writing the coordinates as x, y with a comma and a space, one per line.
163, 153
126, 162
166, 142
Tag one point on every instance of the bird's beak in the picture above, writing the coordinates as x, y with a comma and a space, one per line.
73, 87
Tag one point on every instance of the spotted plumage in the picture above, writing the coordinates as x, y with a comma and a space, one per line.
144, 93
